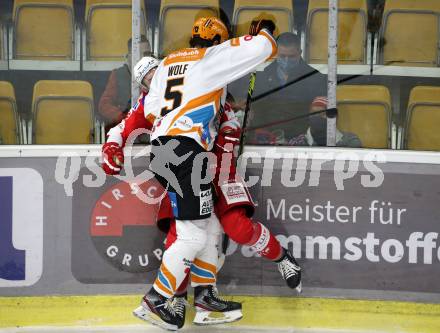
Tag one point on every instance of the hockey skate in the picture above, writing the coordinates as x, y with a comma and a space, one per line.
290, 271
180, 302
166, 313
212, 310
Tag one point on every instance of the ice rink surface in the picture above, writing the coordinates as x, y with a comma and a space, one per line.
152, 329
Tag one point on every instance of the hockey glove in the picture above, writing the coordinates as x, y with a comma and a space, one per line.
112, 157
258, 25
230, 127
228, 136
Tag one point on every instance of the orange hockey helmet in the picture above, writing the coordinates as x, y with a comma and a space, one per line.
211, 29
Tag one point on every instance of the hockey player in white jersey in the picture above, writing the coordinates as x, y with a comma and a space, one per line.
184, 102
185, 96
203, 274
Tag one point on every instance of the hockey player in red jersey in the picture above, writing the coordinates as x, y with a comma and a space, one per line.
191, 237
113, 156
234, 208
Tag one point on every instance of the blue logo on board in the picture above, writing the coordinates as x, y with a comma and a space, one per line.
21, 227
12, 260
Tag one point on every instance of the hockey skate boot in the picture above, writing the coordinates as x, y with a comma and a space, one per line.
290, 271
167, 313
180, 302
211, 309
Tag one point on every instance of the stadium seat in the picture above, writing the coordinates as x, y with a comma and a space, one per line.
410, 33
279, 11
352, 33
366, 111
423, 119
43, 30
177, 18
9, 119
62, 112
108, 29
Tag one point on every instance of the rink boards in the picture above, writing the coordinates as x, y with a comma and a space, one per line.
364, 225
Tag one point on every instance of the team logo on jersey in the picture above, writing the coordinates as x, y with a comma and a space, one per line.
184, 123
123, 227
234, 192
21, 227
198, 119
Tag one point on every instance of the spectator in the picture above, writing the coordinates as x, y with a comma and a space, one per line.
316, 134
290, 85
116, 98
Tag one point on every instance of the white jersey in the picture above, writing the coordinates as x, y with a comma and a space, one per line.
190, 85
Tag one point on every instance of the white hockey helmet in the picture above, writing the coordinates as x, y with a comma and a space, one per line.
142, 68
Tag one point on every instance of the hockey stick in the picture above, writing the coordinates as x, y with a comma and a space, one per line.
329, 112
247, 108
287, 120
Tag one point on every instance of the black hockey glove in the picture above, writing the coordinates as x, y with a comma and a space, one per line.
257, 25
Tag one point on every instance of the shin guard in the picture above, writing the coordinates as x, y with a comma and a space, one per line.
242, 230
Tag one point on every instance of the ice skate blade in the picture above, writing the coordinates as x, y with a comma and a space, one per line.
299, 288
210, 317
148, 316
220, 262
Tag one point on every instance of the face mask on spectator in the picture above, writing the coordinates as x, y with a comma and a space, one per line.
318, 129
287, 63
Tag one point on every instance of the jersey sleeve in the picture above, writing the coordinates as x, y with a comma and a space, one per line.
135, 119
152, 101
231, 60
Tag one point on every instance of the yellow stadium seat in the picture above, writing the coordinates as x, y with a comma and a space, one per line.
423, 119
9, 120
279, 11
62, 112
43, 30
352, 33
177, 18
108, 24
410, 33
365, 110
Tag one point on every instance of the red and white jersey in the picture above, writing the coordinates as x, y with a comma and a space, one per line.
135, 119
189, 85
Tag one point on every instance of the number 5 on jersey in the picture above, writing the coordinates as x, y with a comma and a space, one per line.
172, 94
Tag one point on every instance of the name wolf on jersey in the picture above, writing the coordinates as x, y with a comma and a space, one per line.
177, 70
